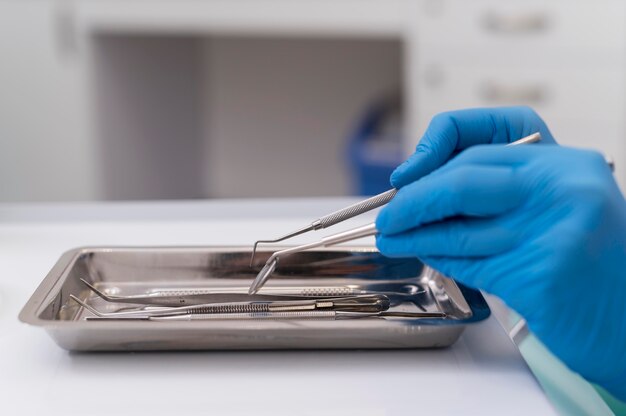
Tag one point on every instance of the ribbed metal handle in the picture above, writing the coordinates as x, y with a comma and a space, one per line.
230, 308
355, 209
326, 291
252, 315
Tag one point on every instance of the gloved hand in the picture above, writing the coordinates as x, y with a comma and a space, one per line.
542, 227
451, 132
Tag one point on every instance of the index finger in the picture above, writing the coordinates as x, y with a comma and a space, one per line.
451, 132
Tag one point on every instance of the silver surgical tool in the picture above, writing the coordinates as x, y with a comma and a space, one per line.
184, 297
397, 292
324, 315
359, 208
272, 261
356, 233
364, 304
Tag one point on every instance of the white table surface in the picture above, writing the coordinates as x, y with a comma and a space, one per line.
483, 373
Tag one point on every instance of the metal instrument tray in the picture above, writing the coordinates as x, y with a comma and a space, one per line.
140, 270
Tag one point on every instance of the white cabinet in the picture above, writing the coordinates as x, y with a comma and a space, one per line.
531, 26
565, 59
222, 98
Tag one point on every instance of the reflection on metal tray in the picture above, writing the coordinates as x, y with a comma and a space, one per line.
224, 271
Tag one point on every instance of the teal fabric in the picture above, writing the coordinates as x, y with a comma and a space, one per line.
618, 407
569, 392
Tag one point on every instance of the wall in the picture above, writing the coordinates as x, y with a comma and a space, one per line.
46, 146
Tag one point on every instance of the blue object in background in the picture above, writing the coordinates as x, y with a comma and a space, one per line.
375, 148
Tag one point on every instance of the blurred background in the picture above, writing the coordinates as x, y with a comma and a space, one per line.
156, 99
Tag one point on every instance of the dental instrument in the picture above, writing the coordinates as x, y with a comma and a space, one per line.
272, 261
359, 208
365, 303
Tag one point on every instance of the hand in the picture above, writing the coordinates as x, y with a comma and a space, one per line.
543, 228
451, 132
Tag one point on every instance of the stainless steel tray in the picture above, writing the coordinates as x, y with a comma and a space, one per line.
144, 269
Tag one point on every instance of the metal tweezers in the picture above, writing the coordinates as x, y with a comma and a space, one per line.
335, 218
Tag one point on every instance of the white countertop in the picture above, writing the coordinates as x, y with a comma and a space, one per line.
483, 373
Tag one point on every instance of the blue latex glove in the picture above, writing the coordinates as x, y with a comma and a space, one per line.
542, 227
451, 132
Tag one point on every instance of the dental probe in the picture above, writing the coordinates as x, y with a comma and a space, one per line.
359, 207
272, 262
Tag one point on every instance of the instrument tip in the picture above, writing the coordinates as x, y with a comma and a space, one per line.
263, 275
